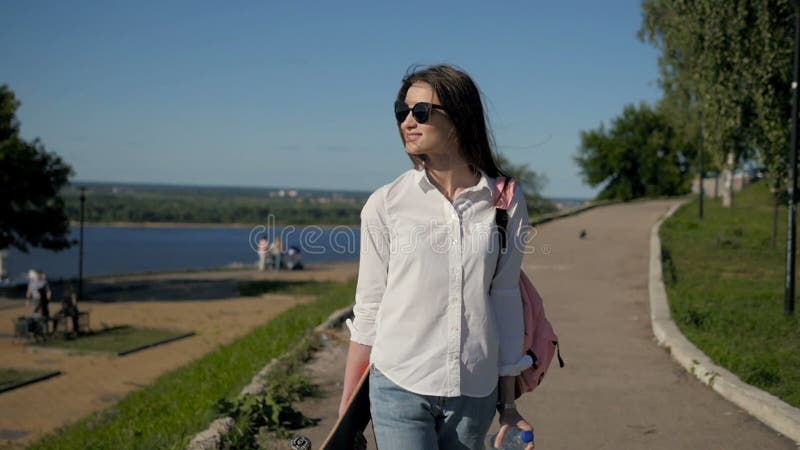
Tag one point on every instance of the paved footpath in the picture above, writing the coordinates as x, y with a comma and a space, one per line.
619, 389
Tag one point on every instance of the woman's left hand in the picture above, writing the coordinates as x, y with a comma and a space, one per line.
511, 418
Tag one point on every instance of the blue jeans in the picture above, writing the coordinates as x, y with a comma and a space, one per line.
403, 420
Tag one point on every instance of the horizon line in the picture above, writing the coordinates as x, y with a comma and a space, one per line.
77, 183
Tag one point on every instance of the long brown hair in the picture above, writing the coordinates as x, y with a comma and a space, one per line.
461, 98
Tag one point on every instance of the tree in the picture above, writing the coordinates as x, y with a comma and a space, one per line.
639, 155
705, 49
732, 59
532, 184
32, 212
663, 26
772, 44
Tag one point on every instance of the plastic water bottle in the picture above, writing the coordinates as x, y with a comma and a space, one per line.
515, 439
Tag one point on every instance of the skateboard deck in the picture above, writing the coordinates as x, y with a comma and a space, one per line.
347, 432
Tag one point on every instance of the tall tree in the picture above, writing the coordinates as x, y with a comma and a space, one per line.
31, 210
705, 55
639, 155
733, 59
662, 26
772, 43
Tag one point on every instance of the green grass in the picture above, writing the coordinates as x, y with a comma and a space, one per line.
725, 284
268, 418
14, 377
181, 403
117, 340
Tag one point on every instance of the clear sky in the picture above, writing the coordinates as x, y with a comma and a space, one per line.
299, 93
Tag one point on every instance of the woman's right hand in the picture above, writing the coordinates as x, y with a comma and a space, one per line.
512, 418
346, 394
357, 361
342, 406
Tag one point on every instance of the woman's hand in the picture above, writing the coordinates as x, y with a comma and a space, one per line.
510, 417
357, 363
343, 403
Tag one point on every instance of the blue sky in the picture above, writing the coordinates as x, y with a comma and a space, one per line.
299, 94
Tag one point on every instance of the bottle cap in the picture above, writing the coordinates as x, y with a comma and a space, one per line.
527, 436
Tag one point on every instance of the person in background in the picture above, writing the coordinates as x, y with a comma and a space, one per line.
276, 250
69, 308
263, 249
294, 258
39, 294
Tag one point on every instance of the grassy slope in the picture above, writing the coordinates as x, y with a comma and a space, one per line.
725, 284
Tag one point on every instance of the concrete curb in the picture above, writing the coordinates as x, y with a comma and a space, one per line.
211, 438
256, 386
20, 384
767, 408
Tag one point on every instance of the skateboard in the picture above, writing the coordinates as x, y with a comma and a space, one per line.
347, 432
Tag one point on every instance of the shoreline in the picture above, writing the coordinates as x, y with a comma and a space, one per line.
75, 223
201, 273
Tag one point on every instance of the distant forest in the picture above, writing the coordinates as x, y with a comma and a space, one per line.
106, 202
139, 203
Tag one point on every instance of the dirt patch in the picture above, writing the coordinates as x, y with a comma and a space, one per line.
326, 370
92, 382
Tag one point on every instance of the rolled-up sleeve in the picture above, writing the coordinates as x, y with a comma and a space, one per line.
373, 267
505, 294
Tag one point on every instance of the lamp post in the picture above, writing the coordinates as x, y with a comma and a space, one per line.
80, 253
792, 231
660, 155
701, 177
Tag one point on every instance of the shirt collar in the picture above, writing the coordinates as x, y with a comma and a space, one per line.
426, 185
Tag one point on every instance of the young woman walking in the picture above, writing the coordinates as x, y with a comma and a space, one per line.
438, 314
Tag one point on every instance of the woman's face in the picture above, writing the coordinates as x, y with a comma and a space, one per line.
434, 137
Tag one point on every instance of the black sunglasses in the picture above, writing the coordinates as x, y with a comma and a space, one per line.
421, 111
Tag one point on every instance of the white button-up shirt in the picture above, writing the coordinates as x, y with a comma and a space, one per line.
426, 300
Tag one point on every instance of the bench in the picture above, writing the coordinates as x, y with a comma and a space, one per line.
64, 323
26, 327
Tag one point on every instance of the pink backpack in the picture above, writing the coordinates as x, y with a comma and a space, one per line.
541, 342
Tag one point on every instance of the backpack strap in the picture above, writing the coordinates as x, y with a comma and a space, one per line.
501, 218
501, 213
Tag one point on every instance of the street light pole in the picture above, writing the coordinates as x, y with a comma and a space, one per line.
660, 155
80, 254
701, 177
792, 232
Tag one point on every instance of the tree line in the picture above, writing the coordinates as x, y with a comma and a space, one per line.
725, 75
142, 206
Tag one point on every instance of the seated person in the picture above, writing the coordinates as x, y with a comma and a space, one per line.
293, 259
69, 308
